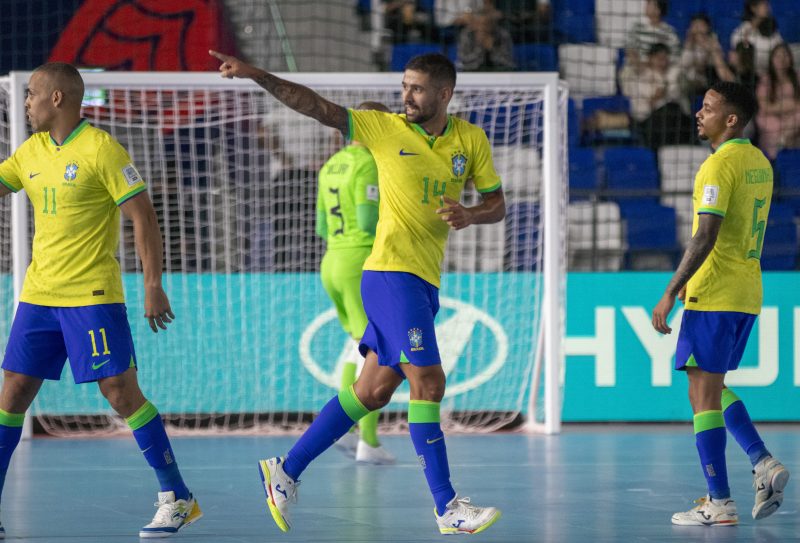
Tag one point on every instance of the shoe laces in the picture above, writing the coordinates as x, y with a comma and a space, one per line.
465, 508
165, 511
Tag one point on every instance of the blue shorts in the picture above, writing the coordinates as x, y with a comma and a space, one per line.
96, 339
714, 340
400, 310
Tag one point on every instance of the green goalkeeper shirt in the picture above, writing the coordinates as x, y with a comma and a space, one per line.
347, 199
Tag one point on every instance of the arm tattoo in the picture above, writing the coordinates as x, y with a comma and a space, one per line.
697, 251
305, 101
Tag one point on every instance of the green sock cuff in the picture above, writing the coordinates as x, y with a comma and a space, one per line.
14, 420
142, 416
729, 398
708, 420
348, 374
422, 411
351, 404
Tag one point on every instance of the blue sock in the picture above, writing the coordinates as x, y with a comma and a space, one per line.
709, 429
148, 430
737, 419
334, 421
10, 432
428, 439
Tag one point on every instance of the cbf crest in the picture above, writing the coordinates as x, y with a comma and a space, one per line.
71, 172
459, 164
415, 338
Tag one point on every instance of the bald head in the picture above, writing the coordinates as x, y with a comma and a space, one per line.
63, 77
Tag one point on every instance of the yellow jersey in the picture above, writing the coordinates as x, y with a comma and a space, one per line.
415, 171
735, 183
75, 189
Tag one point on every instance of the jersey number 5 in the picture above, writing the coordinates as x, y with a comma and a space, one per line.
757, 229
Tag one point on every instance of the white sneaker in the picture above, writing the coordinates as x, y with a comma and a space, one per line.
709, 513
348, 444
171, 516
769, 480
461, 517
373, 455
280, 488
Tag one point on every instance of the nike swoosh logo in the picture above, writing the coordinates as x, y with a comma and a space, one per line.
32, 175
101, 364
403, 152
432, 441
147, 449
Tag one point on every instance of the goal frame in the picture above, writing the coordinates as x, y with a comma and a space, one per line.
550, 350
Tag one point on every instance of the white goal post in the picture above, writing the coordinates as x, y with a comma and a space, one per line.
255, 346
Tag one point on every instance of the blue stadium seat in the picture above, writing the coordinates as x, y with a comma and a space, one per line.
780, 250
733, 9
787, 14
522, 229
631, 174
724, 25
611, 104
535, 57
582, 173
573, 20
403, 52
573, 124
787, 173
649, 228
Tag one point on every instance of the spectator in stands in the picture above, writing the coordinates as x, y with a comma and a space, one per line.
743, 63
648, 32
657, 106
702, 61
484, 44
778, 93
527, 20
408, 21
760, 30
453, 15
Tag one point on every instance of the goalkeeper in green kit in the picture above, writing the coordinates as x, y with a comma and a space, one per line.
347, 213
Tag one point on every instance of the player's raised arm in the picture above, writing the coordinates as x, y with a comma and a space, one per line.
139, 210
298, 97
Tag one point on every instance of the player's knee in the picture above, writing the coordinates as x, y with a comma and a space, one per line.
377, 397
431, 391
123, 397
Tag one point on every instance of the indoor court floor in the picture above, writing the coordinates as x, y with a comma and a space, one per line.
592, 483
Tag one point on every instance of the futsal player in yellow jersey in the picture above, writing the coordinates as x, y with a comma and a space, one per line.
424, 158
77, 178
719, 280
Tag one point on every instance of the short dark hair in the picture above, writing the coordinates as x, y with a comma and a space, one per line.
437, 66
739, 97
701, 16
66, 78
663, 6
658, 48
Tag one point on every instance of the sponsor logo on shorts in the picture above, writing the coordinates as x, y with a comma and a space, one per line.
415, 338
100, 365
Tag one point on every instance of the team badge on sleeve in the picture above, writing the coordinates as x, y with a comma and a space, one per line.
459, 164
710, 195
71, 172
372, 193
131, 175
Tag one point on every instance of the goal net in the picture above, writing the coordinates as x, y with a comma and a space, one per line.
256, 345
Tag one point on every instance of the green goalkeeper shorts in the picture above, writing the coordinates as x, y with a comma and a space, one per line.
341, 276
